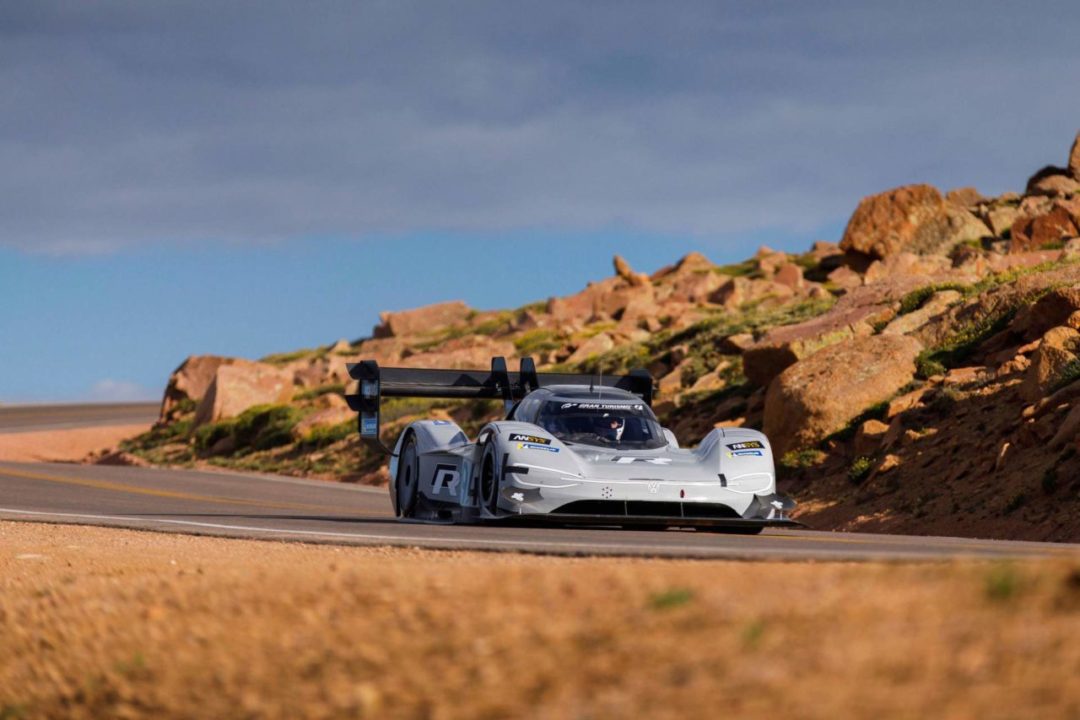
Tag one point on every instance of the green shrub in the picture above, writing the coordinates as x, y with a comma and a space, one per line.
746, 268
265, 426
330, 389
158, 435
288, 357
210, 434
917, 298
617, 360
1002, 583
671, 599
927, 366
962, 344
323, 435
258, 428
536, 341
860, 469
801, 459
186, 406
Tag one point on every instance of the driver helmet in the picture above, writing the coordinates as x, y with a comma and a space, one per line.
611, 427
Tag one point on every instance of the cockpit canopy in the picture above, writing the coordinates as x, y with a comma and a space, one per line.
609, 420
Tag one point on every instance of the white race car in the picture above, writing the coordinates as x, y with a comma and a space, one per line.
573, 449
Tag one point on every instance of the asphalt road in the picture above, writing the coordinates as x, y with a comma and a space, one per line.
278, 508
269, 507
31, 418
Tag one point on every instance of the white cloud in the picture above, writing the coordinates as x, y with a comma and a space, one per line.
127, 123
109, 390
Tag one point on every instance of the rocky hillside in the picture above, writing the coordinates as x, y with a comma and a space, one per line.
919, 376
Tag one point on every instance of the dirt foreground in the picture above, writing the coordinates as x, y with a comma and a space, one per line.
117, 623
64, 445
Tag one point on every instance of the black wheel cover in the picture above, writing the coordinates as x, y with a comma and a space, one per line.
489, 482
408, 480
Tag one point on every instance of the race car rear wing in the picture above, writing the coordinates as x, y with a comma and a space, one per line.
375, 382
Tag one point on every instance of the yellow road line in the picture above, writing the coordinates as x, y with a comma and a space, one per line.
171, 494
175, 495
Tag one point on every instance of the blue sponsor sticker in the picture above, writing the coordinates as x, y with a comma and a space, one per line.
534, 446
744, 453
440, 422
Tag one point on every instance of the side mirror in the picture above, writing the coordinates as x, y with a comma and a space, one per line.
671, 439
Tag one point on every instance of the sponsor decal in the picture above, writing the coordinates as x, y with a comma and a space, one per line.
370, 426
536, 446
441, 422
603, 406
519, 497
446, 478
745, 453
534, 439
748, 445
623, 460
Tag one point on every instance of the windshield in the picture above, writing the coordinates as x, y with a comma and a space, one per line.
626, 426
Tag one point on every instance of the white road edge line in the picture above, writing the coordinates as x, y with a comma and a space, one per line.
721, 552
322, 533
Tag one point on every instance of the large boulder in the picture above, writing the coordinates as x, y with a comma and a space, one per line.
985, 309
600, 301
914, 218
821, 394
324, 418
596, 345
386, 351
321, 370
1051, 310
623, 270
858, 313
938, 303
1058, 354
739, 291
1032, 233
422, 321
241, 385
1000, 218
189, 382
1058, 185
965, 197
692, 280
904, 264
470, 352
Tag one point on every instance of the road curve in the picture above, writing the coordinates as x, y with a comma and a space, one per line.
35, 418
270, 507
278, 508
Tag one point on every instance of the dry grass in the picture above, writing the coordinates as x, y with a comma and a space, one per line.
116, 623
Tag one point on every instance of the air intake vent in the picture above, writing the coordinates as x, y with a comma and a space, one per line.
645, 508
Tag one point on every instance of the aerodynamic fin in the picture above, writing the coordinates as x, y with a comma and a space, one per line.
375, 383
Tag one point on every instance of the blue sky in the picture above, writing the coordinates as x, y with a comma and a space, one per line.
244, 178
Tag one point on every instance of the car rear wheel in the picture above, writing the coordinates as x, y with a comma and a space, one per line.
408, 480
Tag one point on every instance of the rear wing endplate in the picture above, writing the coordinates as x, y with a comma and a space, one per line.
375, 383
